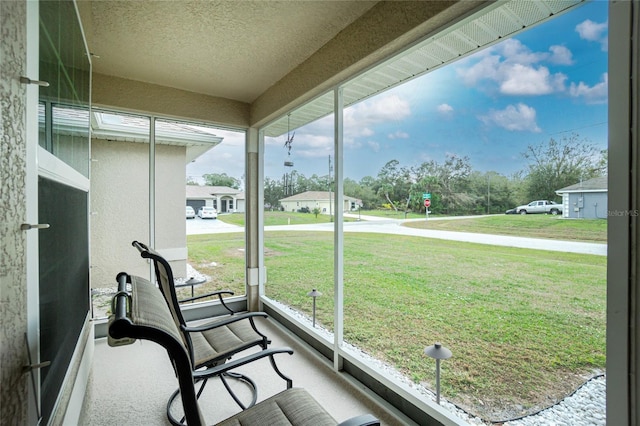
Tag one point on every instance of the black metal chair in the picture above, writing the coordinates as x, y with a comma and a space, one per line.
216, 341
144, 314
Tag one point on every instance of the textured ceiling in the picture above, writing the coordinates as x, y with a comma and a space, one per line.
230, 49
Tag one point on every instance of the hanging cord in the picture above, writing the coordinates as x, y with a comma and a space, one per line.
290, 137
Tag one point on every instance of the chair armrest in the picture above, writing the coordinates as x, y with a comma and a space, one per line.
363, 420
225, 321
218, 293
238, 362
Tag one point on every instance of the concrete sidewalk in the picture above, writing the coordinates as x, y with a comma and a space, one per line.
380, 225
391, 226
490, 239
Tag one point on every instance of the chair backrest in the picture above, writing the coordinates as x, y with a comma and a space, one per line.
149, 318
166, 283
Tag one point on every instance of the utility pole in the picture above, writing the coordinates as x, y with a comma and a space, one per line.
330, 216
488, 193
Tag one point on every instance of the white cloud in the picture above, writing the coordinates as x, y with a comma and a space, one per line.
365, 131
360, 119
560, 55
521, 118
486, 68
595, 94
593, 31
379, 109
518, 79
356, 131
445, 109
516, 69
374, 146
515, 52
398, 135
311, 146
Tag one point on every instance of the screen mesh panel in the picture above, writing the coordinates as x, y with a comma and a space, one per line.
64, 281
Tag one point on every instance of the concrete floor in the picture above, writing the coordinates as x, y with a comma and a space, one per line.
130, 385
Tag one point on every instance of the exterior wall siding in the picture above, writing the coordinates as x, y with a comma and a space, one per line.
586, 205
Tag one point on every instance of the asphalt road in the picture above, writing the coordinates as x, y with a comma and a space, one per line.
394, 226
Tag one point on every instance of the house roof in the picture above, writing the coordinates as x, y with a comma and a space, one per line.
598, 184
123, 127
134, 128
205, 191
314, 196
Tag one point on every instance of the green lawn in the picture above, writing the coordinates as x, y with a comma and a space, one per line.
537, 226
523, 325
281, 218
220, 256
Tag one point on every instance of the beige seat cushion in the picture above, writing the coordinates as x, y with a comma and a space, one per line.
293, 406
226, 339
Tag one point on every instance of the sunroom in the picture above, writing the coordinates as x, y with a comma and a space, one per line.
260, 70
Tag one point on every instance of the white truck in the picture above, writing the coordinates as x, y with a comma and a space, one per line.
540, 206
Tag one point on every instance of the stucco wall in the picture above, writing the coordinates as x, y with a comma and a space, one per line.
171, 224
13, 280
120, 208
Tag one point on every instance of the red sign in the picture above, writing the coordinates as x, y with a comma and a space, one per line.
427, 203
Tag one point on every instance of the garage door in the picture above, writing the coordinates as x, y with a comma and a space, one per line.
196, 204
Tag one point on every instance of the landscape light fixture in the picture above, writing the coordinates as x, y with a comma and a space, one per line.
314, 293
437, 352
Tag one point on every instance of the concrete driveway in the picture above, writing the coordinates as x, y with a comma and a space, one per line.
210, 226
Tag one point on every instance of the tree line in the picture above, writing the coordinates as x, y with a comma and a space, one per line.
455, 188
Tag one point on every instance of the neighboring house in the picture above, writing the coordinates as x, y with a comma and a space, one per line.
120, 157
318, 199
222, 198
585, 200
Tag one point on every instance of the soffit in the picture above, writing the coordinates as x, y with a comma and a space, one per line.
230, 49
486, 27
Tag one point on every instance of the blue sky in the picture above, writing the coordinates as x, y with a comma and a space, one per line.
548, 82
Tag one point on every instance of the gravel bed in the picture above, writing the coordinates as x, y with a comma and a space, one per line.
585, 407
